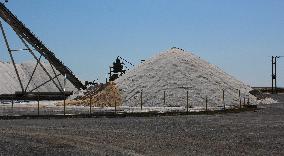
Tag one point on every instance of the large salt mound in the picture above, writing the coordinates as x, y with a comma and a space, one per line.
9, 82
176, 72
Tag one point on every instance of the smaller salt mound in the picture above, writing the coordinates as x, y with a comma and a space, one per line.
107, 96
267, 101
176, 72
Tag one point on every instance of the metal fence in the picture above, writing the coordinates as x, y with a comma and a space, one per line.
47, 108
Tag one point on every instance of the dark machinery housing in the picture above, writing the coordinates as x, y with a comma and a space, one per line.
34, 46
118, 68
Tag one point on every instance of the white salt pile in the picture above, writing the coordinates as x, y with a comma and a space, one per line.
176, 72
267, 101
9, 82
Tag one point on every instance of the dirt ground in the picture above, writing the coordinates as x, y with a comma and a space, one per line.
246, 133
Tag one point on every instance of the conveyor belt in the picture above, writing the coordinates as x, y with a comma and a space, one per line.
28, 36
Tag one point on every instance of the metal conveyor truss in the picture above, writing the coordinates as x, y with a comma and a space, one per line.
27, 37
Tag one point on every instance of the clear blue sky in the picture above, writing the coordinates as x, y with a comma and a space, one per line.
239, 36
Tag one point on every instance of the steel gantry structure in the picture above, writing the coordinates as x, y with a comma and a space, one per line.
34, 46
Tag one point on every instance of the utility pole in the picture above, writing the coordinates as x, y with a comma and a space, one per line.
274, 74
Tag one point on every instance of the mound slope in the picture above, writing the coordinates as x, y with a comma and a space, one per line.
9, 82
175, 72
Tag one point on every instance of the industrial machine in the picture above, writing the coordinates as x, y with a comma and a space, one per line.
118, 68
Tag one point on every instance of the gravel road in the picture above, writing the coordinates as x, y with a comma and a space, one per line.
247, 133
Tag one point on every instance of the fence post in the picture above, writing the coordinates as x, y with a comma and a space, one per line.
240, 98
64, 105
141, 100
206, 101
248, 100
90, 105
224, 99
38, 105
12, 104
186, 101
164, 98
115, 106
